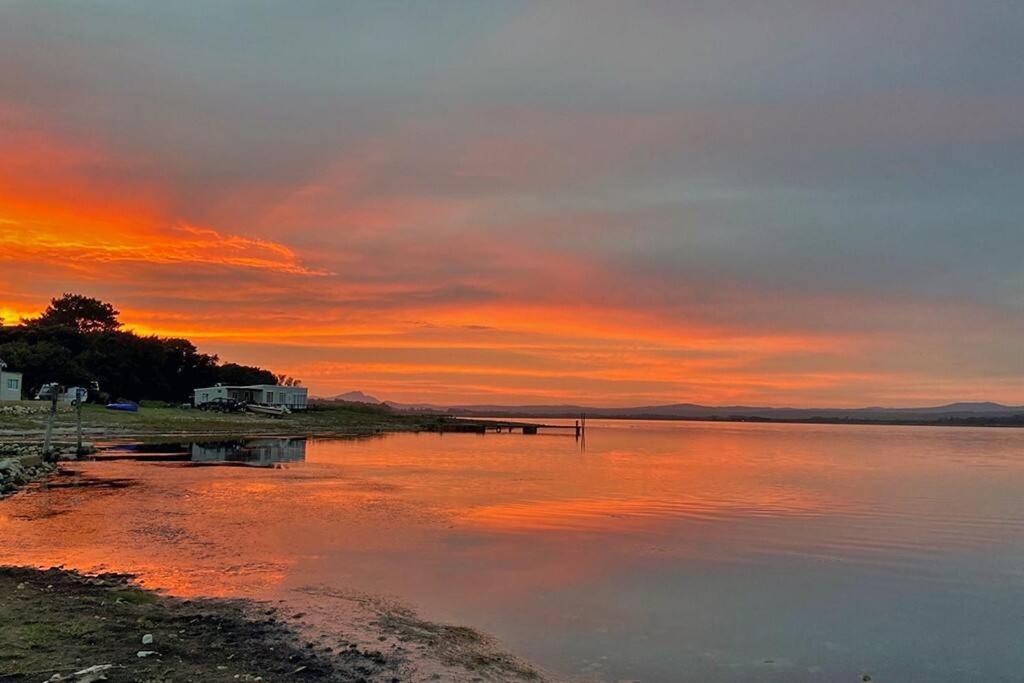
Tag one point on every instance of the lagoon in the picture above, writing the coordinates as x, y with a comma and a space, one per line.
653, 551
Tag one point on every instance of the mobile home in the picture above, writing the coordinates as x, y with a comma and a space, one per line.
293, 398
10, 385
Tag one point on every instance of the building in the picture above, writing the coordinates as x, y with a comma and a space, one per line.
10, 384
293, 398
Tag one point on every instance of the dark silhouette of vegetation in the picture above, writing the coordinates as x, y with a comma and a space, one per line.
79, 340
77, 312
233, 373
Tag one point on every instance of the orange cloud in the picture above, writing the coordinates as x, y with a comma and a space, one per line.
372, 272
184, 244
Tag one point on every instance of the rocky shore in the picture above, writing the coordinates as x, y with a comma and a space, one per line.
15, 471
22, 463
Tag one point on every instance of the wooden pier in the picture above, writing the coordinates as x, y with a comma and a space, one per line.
467, 425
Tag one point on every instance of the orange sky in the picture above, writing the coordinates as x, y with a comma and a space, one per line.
477, 218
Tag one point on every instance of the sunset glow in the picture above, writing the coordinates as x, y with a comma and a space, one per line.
499, 204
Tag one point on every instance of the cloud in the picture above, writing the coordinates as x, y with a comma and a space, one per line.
184, 245
785, 201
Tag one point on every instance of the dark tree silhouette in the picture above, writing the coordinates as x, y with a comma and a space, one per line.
233, 373
79, 340
82, 313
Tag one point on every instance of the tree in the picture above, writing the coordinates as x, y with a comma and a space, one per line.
78, 340
286, 381
241, 375
82, 313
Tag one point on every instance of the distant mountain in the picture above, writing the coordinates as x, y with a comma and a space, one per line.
355, 397
693, 411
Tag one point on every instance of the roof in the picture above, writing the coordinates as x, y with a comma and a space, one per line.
262, 387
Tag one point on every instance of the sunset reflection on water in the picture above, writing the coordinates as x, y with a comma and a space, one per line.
717, 551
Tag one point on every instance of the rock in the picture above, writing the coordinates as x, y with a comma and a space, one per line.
91, 674
145, 653
147, 639
31, 460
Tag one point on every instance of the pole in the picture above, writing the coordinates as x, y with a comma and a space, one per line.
78, 415
48, 443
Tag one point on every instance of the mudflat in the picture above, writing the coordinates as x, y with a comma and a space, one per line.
62, 625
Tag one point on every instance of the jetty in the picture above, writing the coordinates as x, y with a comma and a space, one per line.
470, 426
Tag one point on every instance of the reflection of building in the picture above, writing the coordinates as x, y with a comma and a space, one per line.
293, 398
251, 451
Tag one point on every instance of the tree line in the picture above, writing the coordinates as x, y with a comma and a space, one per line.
79, 340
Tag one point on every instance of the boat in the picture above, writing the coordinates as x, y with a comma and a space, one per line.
127, 407
276, 411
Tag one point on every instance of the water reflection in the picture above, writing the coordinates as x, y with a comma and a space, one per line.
262, 452
664, 552
257, 452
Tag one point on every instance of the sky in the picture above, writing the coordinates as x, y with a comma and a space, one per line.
771, 202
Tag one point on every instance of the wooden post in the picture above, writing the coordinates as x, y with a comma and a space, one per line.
48, 442
78, 415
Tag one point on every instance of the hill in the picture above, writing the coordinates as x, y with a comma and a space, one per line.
354, 397
962, 412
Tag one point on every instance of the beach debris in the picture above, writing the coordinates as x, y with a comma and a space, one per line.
145, 653
147, 639
97, 672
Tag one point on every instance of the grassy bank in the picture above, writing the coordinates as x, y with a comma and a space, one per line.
28, 420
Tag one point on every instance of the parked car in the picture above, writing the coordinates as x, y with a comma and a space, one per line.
223, 405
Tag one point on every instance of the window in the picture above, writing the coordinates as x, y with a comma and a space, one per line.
270, 397
12, 384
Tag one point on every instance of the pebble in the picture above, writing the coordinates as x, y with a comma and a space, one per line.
147, 639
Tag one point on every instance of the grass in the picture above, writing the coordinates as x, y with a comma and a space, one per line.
157, 418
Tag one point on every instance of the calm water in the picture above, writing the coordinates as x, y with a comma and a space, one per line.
661, 552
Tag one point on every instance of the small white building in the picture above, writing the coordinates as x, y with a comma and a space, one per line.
293, 398
10, 384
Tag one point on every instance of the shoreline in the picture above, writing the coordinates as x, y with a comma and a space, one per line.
44, 632
25, 421
62, 625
